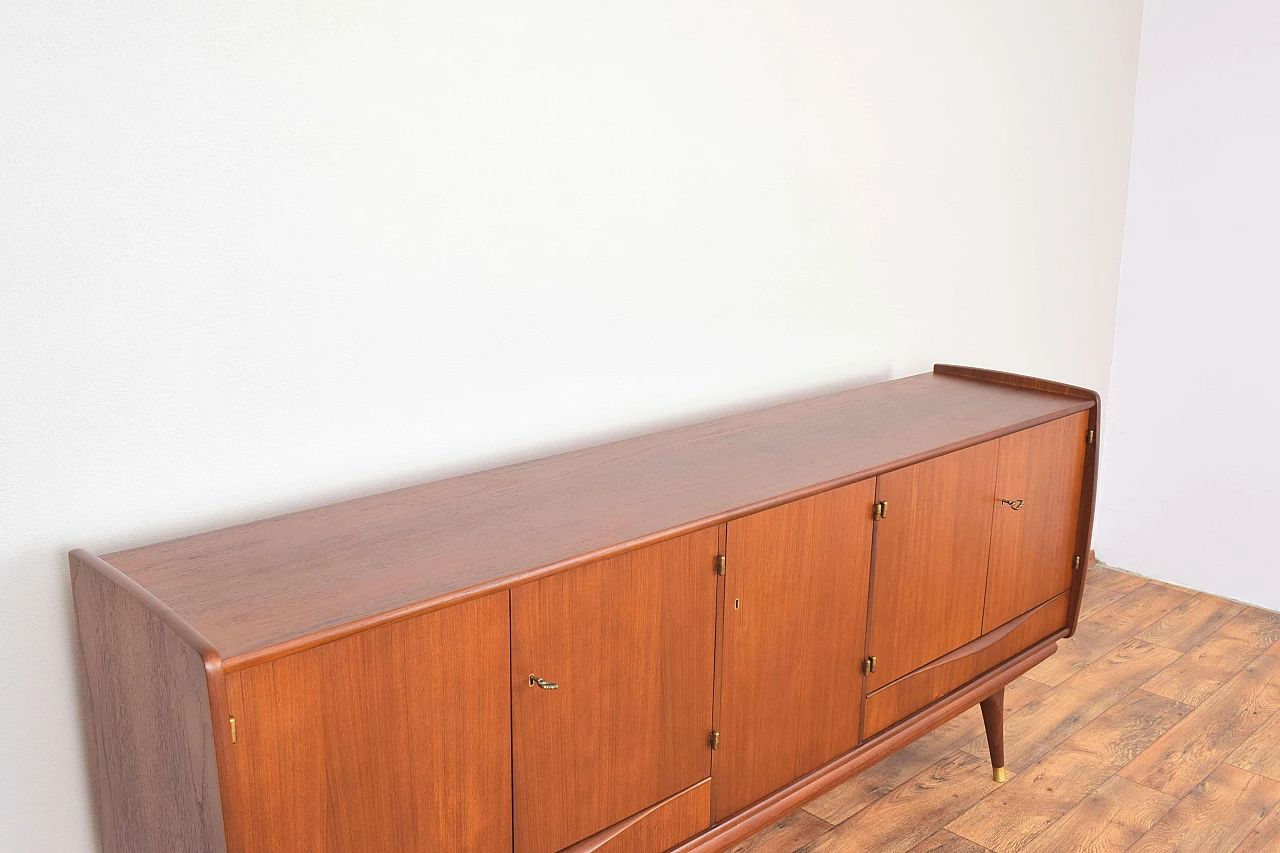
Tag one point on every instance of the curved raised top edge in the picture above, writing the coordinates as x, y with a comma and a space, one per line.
184, 629
1016, 380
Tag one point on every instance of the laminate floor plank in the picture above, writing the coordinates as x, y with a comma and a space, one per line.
1109, 820
788, 835
943, 841
913, 811
1022, 693
851, 797
1260, 753
1216, 816
1108, 578
1128, 728
1168, 740
1215, 661
1123, 732
1189, 752
1095, 598
1257, 628
1108, 628
1010, 818
1265, 837
1049, 720
1190, 624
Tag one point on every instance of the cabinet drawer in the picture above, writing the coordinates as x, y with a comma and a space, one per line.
658, 827
917, 689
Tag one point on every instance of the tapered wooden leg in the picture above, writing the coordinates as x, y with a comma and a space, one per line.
993, 719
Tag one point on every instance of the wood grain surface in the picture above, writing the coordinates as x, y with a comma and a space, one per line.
1210, 734
1216, 816
630, 643
1131, 615
930, 572
907, 815
261, 589
1108, 820
1089, 480
917, 689
795, 624
993, 721
151, 740
396, 738
1032, 548
657, 828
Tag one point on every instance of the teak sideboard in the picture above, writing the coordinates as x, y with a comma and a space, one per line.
667, 642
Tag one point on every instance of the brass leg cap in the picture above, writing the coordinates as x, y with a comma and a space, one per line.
998, 774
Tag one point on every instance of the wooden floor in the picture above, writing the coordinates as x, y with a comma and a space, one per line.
1155, 728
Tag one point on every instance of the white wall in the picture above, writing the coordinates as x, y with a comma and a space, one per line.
261, 256
1190, 477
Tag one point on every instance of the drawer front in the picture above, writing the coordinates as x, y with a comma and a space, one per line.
659, 827
929, 683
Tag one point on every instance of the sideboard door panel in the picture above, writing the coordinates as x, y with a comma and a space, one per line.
395, 738
795, 626
630, 643
930, 574
1032, 548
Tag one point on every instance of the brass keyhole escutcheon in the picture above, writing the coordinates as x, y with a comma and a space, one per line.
1014, 505
735, 604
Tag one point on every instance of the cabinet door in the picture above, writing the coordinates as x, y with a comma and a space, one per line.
1033, 547
930, 573
630, 644
395, 738
795, 609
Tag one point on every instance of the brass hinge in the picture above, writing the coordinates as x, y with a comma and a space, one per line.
869, 665
233, 729
880, 510
722, 565
1076, 563
715, 740
1088, 437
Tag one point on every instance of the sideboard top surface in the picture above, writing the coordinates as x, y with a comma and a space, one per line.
269, 585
